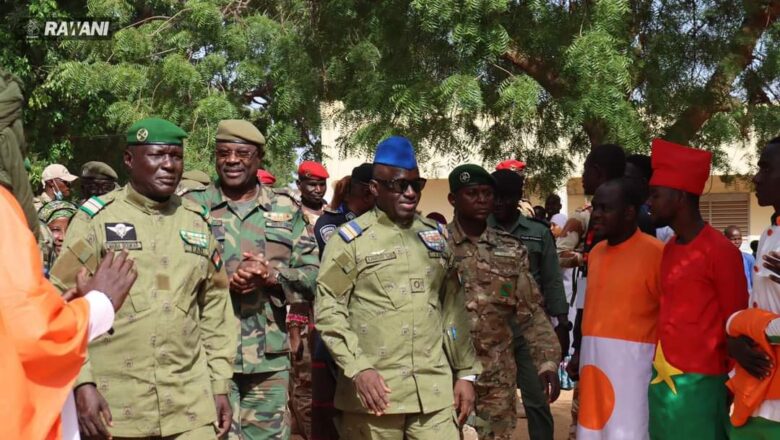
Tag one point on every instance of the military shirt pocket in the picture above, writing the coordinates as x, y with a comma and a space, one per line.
501, 285
275, 336
397, 290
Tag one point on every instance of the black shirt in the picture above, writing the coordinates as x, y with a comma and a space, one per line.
329, 223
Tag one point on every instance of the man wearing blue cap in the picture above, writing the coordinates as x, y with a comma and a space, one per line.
390, 308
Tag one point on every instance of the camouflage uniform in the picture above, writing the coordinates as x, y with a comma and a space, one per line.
273, 226
500, 289
171, 349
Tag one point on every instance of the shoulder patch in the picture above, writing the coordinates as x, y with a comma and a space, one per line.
350, 231
201, 210
94, 205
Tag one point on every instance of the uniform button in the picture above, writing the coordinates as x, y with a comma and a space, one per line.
164, 261
405, 330
167, 308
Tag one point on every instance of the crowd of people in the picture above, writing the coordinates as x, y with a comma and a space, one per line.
176, 307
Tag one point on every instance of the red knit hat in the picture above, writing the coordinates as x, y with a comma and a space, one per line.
312, 170
679, 167
265, 177
511, 164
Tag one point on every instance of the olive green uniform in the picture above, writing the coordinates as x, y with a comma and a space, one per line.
388, 298
501, 296
270, 224
174, 338
545, 268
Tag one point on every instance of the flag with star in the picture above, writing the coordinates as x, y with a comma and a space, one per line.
677, 395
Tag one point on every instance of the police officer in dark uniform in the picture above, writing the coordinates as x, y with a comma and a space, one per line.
352, 198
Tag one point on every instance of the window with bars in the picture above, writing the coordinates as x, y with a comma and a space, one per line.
722, 210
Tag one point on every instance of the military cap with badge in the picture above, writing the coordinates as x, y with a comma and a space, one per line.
155, 131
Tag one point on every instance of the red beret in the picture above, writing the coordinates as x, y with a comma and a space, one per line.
511, 164
679, 167
312, 170
265, 177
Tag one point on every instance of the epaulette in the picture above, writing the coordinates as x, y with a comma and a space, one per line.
95, 204
350, 231
201, 210
434, 224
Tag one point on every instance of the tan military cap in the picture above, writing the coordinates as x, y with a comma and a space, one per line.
196, 176
239, 131
98, 170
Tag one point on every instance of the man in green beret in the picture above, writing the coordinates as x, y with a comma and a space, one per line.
97, 178
493, 266
165, 370
271, 263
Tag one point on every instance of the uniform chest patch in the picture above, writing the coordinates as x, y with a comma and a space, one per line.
120, 232
433, 240
504, 253
278, 216
530, 238
384, 256
195, 242
216, 260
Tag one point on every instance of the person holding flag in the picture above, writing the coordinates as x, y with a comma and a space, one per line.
703, 284
620, 317
756, 331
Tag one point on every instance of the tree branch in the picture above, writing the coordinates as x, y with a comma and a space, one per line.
715, 96
539, 70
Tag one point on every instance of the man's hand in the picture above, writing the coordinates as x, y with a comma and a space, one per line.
373, 391
551, 384
93, 412
562, 331
573, 367
114, 277
224, 414
750, 356
253, 273
464, 399
772, 262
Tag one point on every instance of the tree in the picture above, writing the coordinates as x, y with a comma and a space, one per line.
194, 62
526, 76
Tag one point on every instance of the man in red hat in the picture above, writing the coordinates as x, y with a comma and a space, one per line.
312, 178
702, 284
518, 166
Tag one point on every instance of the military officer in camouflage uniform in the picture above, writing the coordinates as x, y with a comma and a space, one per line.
545, 268
493, 267
270, 260
390, 310
165, 370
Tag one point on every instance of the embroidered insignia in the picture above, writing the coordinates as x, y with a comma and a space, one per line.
278, 216
141, 134
216, 259
375, 258
530, 238
120, 232
433, 240
464, 177
326, 232
92, 206
507, 254
197, 239
505, 290
350, 231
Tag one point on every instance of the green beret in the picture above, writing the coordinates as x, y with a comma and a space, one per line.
98, 170
239, 131
56, 209
155, 131
469, 175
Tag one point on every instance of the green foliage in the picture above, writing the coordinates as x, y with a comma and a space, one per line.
193, 62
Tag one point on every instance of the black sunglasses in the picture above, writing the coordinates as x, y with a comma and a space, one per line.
400, 185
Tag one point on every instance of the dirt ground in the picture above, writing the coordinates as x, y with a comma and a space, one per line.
561, 411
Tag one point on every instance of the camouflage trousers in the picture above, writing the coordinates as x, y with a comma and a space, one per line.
496, 404
259, 403
203, 433
300, 389
438, 425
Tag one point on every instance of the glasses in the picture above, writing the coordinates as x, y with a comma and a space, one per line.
240, 154
400, 185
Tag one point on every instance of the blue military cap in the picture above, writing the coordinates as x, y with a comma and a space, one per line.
396, 151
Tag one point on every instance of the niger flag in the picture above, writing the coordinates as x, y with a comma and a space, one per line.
43, 340
619, 334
